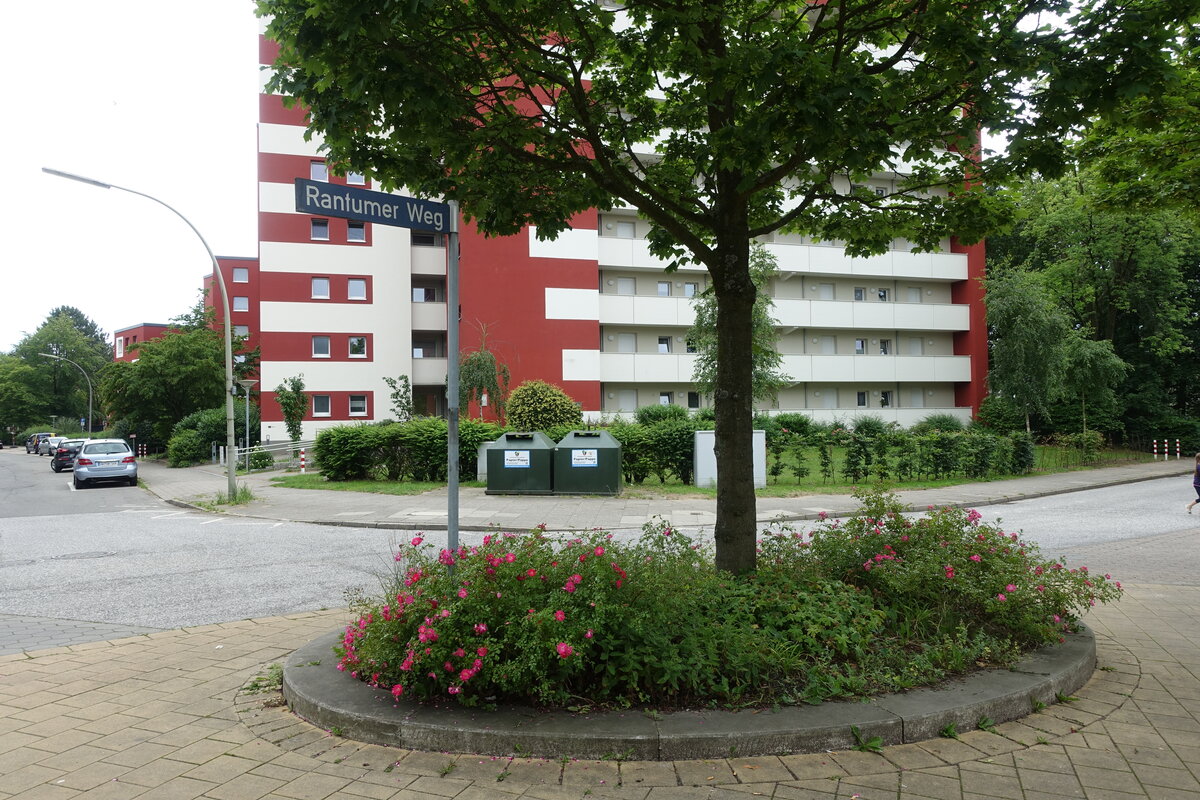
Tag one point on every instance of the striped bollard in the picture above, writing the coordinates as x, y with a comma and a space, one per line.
1177, 453
301, 460
1154, 444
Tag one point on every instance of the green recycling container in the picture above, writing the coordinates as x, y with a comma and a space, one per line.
587, 462
520, 463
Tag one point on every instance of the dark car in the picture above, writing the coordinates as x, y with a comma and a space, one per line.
63, 456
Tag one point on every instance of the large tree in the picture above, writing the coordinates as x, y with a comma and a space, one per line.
719, 120
69, 334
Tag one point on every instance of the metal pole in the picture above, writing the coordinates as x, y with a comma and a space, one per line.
247, 441
89, 383
452, 313
230, 443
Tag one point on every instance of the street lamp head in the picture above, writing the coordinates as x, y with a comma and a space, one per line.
246, 383
73, 177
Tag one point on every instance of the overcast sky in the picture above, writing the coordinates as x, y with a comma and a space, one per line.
160, 96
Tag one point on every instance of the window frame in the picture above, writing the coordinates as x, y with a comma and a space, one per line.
241, 304
350, 340
328, 412
350, 412
312, 288
353, 225
244, 272
860, 347
314, 228
328, 346
350, 282
318, 171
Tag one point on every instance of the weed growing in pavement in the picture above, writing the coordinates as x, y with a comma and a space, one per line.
270, 679
878, 602
241, 496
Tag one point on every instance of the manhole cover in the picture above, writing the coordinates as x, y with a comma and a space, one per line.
93, 554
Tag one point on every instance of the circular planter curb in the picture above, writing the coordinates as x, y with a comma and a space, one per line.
318, 692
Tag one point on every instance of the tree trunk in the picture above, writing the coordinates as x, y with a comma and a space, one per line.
736, 528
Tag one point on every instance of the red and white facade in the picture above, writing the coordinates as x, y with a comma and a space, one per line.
346, 304
125, 339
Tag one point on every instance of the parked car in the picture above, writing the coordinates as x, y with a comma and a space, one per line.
47, 445
31, 444
63, 456
105, 460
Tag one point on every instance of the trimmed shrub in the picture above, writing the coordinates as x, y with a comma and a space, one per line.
652, 415
344, 452
637, 459
673, 447
471, 434
944, 423
186, 448
1024, 453
537, 406
870, 426
261, 460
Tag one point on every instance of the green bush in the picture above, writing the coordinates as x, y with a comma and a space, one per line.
976, 450
1024, 453
424, 440
942, 423
796, 425
261, 460
471, 434
637, 456
537, 405
187, 448
880, 602
673, 446
651, 415
870, 426
343, 452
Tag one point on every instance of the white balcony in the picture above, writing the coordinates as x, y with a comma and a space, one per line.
824, 260
649, 310
877, 369
793, 313
429, 316
657, 368
428, 261
428, 371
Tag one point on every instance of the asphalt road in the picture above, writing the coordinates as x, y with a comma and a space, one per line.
119, 559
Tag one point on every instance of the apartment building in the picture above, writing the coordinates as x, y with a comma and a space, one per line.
348, 303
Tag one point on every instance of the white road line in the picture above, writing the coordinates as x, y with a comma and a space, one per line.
211, 521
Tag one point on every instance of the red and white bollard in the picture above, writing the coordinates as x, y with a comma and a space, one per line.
302, 461
1154, 444
1177, 453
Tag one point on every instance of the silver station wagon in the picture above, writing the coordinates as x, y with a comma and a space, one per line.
105, 460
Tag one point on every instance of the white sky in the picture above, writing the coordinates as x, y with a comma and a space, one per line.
160, 96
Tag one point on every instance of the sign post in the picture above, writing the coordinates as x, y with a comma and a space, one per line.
384, 208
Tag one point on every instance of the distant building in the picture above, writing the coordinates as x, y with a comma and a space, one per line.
125, 339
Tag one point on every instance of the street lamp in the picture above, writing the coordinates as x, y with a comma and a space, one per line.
246, 383
230, 441
89, 383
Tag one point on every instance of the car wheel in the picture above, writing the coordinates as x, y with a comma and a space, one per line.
53, 467
133, 481
78, 483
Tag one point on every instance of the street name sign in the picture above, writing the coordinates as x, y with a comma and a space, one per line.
336, 200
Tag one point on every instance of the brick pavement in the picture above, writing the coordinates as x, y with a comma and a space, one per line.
177, 714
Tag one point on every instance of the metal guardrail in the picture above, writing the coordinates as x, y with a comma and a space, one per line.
284, 454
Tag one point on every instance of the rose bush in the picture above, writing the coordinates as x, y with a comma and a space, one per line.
879, 602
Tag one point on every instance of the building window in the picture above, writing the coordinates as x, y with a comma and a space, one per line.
425, 347
885, 347
626, 343
319, 230
120, 346
356, 231
428, 293
241, 275
318, 171
358, 405
241, 303
320, 346
241, 330
664, 344
664, 288
825, 291
356, 179
356, 289
320, 288
885, 399
427, 239
860, 347
626, 230
691, 289
860, 294
884, 295
666, 398
693, 400
626, 286
862, 399
914, 294
689, 347
320, 405
358, 347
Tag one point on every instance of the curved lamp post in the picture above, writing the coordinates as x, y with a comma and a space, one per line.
230, 441
246, 383
89, 383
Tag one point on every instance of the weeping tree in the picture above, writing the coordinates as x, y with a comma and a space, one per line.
719, 121
483, 378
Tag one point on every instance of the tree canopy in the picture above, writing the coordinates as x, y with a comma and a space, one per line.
718, 120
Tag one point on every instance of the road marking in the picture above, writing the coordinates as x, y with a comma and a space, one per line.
172, 514
211, 521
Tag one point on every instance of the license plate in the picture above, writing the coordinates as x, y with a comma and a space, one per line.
106, 463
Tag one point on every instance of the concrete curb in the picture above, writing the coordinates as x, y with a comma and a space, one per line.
316, 691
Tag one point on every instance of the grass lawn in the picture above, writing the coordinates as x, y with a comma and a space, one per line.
1049, 460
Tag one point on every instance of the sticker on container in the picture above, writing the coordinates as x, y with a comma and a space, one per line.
585, 458
516, 459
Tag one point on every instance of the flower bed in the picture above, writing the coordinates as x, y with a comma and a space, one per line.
876, 603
